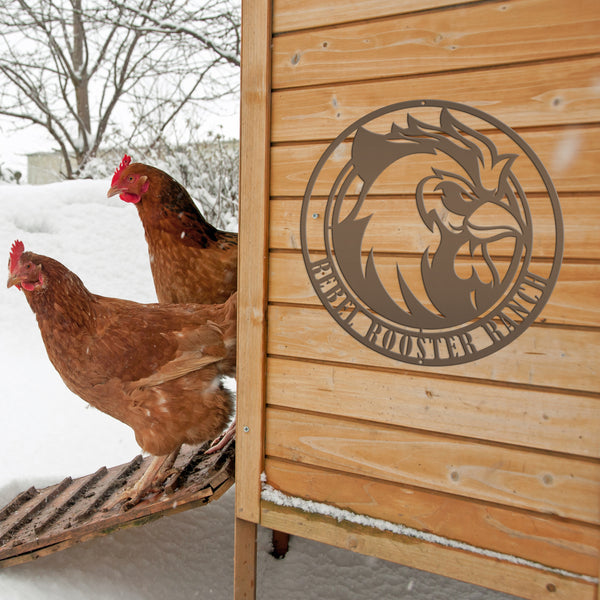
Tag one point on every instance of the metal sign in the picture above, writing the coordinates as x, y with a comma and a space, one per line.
419, 239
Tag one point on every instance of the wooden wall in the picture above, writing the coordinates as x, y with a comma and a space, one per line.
502, 453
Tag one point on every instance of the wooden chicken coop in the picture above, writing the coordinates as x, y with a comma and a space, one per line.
419, 286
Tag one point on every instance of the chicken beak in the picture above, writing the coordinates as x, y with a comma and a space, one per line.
13, 279
114, 190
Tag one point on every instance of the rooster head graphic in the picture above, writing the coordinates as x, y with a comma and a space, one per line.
470, 204
454, 276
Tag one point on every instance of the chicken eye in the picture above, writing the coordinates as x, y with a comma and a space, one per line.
130, 178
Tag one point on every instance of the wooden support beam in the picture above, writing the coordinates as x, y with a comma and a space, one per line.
253, 253
244, 568
520, 580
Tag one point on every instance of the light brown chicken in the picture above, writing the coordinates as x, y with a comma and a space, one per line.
191, 261
155, 367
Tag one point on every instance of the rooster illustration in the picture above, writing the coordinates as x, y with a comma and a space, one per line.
476, 205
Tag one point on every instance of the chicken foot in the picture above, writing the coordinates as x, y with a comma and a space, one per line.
220, 442
155, 475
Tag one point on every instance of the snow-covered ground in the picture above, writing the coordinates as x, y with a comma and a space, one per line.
47, 433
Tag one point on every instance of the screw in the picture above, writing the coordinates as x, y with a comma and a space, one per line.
246, 429
315, 215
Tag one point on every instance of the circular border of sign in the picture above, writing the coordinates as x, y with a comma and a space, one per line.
424, 347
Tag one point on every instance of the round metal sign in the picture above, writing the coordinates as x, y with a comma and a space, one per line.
419, 239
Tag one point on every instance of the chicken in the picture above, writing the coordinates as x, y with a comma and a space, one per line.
155, 367
191, 261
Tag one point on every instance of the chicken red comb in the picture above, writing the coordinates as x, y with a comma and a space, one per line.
15, 254
124, 163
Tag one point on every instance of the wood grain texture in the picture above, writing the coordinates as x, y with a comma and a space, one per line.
573, 301
522, 581
558, 485
542, 356
244, 576
556, 543
499, 413
290, 15
537, 95
571, 156
486, 34
40, 522
501, 452
253, 231
397, 223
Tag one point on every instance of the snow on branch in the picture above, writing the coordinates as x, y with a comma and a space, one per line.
119, 74
160, 25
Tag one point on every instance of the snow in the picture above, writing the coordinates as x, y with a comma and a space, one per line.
270, 494
48, 433
18, 141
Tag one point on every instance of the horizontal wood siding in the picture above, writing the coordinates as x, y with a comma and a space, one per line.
468, 36
574, 301
292, 165
581, 219
520, 580
570, 546
565, 486
503, 452
561, 358
557, 92
519, 415
290, 15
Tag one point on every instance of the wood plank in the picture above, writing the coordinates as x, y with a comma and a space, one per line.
571, 156
490, 33
498, 413
558, 92
546, 540
574, 300
253, 231
519, 580
244, 566
289, 15
581, 221
542, 356
74, 511
558, 485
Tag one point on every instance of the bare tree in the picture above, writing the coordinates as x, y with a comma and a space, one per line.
133, 71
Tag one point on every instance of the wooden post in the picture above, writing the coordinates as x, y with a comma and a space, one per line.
253, 254
252, 285
244, 568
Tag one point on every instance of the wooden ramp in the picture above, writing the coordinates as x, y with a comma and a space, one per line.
40, 522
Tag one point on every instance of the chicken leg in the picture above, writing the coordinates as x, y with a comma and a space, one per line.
159, 469
220, 442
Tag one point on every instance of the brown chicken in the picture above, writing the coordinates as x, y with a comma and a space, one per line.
155, 367
191, 261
